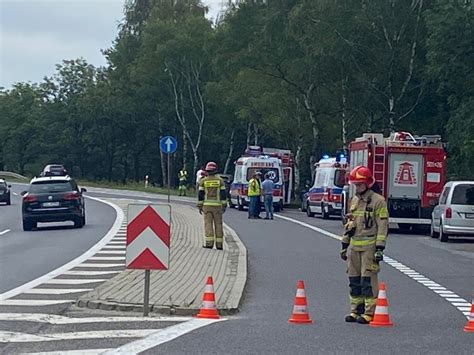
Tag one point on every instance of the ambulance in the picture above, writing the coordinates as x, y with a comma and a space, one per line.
325, 196
409, 171
249, 164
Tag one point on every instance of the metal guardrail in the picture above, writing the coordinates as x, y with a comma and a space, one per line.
13, 175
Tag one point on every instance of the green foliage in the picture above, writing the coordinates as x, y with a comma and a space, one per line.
298, 74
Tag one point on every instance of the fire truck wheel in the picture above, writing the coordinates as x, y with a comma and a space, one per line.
324, 211
308, 211
443, 237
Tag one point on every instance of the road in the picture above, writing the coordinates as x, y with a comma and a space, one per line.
425, 286
27, 256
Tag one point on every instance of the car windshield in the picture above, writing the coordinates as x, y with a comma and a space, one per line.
273, 172
50, 187
463, 194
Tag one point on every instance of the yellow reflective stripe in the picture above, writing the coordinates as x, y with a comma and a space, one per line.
361, 243
382, 212
381, 238
358, 213
212, 203
212, 183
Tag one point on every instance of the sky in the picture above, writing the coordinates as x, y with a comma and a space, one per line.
35, 35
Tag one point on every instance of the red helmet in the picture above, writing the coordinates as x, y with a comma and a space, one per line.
211, 166
361, 174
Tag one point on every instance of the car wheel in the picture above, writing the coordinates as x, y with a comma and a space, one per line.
324, 212
433, 234
78, 222
443, 237
28, 224
308, 210
240, 206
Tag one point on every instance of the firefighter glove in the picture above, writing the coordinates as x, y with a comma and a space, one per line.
378, 256
344, 254
349, 229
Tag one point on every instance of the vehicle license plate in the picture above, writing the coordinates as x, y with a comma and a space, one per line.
338, 205
470, 215
50, 204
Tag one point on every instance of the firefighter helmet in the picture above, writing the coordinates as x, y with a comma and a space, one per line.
211, 166
361, 174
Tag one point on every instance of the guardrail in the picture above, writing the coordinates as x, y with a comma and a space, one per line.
13, 175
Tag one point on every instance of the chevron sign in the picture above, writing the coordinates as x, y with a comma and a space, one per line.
148, 237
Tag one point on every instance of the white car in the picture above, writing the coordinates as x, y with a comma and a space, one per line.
454, 216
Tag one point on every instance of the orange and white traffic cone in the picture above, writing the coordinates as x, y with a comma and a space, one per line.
300, 312
381, 316
469, 328
208, 308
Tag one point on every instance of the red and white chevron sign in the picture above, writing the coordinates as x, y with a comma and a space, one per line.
148, 237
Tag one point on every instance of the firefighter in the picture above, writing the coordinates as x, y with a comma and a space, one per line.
182, 176
212, 201
363, 244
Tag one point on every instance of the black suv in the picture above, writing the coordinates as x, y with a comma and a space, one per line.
53, 199
54, 170
5, 193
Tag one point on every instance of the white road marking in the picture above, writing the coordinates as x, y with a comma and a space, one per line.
107, 258
114, 252
15, 194
97, 265
73, 352
433, 286
162, 336
116, 243
90, 273
5, 231
58, 320
32, 303
56, 291
72, 281
110, 234
15, 337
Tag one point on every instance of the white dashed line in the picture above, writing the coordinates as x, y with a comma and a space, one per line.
450, 296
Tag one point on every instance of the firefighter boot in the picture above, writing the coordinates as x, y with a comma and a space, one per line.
364, 319
351, 318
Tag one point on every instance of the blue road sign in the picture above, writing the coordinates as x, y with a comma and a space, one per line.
168, 144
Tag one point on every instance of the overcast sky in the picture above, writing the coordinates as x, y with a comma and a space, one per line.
35, 35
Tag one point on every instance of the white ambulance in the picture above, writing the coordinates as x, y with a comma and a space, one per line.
245, 168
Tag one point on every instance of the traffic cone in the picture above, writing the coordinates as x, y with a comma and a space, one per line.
381, 317
208, 308
300, 313
469, 328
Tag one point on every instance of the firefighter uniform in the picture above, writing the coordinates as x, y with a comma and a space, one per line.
365, 236
182, 176
212, 202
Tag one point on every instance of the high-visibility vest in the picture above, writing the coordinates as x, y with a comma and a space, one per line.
212, 191
254, 187
183, 174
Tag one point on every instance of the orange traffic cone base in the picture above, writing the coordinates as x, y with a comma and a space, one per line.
381, 324
208, 316
300, 319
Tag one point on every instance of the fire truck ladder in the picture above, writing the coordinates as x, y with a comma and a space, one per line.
379, 166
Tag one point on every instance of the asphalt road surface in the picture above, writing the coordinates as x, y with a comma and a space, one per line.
25, 256
428, 285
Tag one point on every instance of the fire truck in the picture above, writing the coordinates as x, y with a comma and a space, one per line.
325, 196
409, 171
277, 163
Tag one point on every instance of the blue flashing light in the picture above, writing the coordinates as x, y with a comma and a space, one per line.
325, 156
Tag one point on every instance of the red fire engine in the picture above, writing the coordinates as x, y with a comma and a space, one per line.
409, 171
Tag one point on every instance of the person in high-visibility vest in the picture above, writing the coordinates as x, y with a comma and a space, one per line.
212, 201
254, 196
363, 244
182, 176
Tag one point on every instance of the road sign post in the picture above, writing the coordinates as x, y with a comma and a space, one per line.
148, 241
168, 145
